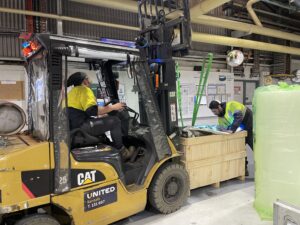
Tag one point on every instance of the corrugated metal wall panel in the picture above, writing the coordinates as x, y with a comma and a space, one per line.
10, 46
12, 22
16, 23
75, 9
96, 32
10, 26
281, 64
120, 17
210, 30
209, 47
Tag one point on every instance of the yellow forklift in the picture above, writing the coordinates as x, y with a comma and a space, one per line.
57, 176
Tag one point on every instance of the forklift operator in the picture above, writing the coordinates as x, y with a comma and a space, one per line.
83, 112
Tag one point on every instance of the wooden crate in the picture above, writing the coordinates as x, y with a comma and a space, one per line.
212, 159
19, 141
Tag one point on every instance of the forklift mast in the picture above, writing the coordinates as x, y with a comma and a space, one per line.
165, 32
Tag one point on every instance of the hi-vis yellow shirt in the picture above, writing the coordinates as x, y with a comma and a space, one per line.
81, 97
234, 114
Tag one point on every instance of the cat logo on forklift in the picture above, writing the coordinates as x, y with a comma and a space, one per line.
86, 178
82, 177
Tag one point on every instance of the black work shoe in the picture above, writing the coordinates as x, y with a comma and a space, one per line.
126, 153
134, 153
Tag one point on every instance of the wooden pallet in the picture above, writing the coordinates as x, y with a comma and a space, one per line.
20, 141
218, 184
212, 159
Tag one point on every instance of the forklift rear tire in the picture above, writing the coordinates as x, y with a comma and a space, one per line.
169, 189
38, 219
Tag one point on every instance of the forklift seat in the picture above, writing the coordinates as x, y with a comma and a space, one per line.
97, 153
80, 138
100, 153
88, 148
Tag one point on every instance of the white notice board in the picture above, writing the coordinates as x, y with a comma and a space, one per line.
220, 86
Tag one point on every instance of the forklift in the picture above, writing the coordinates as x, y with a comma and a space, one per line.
63, 176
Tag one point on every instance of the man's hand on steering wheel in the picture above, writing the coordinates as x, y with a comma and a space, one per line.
118, 106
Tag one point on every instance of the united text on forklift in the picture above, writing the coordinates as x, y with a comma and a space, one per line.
100, 197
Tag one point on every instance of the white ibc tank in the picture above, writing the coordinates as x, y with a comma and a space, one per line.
12, 118
276, 146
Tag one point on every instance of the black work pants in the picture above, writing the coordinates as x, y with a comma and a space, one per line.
248, 123
249, 138
99, 126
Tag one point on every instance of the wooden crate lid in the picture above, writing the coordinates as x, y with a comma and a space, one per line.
212, 138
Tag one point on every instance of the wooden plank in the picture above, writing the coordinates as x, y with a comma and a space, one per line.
242, 178
204, 176
216, 185
209, 150
202, 139
29, 140
214, 175
212, 138
235, 145
232, 169
13, 142
215, 160
205, 151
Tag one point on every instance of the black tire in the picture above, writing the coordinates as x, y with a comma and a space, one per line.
38, 220
169, 188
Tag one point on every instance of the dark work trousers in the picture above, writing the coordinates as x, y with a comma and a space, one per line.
248, 123
99, 126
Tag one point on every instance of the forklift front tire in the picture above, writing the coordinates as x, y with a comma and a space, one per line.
38, 219
169, 189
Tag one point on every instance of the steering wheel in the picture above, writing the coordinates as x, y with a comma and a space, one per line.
126, 108
136, 114
111, 102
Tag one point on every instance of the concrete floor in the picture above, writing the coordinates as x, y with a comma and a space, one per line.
231, 204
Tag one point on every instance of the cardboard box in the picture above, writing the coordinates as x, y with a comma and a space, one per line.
11, 90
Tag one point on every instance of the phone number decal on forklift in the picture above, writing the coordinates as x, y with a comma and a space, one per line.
100, 197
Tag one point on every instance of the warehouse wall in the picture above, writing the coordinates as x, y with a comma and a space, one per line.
10, 46
218, 12
295, 64
12, 22
75, 9
17, 23
216, 89
10, 75
10, 27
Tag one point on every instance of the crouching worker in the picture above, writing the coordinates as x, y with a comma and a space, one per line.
83, 112
231, 116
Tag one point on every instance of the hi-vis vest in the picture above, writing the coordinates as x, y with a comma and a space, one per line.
232, 107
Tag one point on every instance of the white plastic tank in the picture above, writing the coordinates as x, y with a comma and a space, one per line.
12, 118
